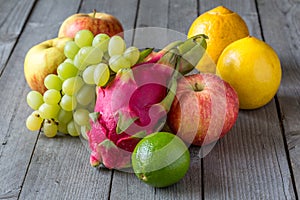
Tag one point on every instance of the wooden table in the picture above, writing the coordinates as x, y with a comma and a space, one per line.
258, 159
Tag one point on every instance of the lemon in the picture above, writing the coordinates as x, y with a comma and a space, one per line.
222, 26
160, 159
253, 69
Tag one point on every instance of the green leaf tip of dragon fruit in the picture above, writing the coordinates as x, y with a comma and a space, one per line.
139, 135
108, 144
125, 74
143, 54
124, 121
94, 116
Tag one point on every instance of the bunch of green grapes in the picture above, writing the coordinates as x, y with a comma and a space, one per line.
71, 94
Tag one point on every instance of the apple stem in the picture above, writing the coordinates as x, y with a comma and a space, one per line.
198, 87
94, 13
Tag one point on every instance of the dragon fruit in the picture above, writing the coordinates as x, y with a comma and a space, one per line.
137, 101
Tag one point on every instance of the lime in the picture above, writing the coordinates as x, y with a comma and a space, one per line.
160, 159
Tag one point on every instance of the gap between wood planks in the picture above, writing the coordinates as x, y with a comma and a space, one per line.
132, 41
279, 115
17, 39
1, 72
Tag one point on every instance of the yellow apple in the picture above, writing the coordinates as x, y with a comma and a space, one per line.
43, 59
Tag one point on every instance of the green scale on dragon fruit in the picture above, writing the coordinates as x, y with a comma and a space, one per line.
136, 102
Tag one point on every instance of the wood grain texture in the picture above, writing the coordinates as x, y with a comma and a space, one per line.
251, 162
64, 171
126, 185
251, 157
152, 22
14, 154
190, 186
13, 15
181, 15
132, 188
60, 169
281, 30
17, 143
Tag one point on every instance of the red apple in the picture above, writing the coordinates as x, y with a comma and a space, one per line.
95, 22
205, 109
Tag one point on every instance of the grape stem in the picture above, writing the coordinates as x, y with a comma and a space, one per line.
94, 13
42, 124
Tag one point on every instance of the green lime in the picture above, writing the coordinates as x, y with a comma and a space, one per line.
160, 159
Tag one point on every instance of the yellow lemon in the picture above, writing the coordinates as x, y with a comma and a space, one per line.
222, 26
253, 69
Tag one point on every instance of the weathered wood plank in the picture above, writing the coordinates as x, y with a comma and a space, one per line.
14, 157
280, 25
180, 16
250, 162
164, 15
125, 185
69, 174
148, 13
13, 15
152, 21
190, 186
17, 143
60, 169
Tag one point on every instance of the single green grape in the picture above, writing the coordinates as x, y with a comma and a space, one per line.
68, 103
86, 95
34, 99
88, 75
101, 40
64, 116
62, 128
72, 85
81, 117
88, 56
94, 56
34, 121
71, 49
116, 46
101, 74
84, 131
132, 54
52, 97
80, 58
48, 111
118, 62
72, 130
66, 70
50, 128
52, 81
84, 38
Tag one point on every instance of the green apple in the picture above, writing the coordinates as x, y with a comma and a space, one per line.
43, 59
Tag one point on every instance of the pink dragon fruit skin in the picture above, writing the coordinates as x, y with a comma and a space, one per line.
127, 110
136, 103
